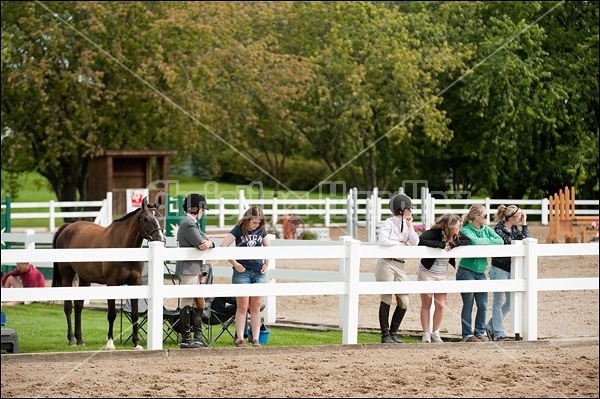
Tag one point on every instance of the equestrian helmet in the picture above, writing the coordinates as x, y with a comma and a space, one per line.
195, 201
399, 203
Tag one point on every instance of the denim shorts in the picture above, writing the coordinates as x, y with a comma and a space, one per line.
248, 277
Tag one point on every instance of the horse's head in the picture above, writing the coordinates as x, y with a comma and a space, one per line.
150, 221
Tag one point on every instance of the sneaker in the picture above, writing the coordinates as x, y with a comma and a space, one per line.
483, 338
504, 338
471, 338
426, 338
489, 334
240, 343
435, 337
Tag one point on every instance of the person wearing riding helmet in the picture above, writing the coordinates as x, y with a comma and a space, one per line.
192, 272
395, 231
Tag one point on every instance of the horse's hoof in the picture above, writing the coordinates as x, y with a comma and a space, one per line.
73, 343
138, 348
110, 348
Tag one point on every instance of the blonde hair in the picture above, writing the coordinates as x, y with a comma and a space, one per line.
474, 211
506, 212
254, 212
445, 223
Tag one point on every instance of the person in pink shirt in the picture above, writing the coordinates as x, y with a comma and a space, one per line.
24, 276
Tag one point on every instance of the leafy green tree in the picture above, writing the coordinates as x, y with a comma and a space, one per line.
373, 91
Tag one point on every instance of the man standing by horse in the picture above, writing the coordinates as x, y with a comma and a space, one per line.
192, 272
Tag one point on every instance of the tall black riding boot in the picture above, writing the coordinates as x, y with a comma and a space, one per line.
186, 333
197, 327
396, 320
384, 314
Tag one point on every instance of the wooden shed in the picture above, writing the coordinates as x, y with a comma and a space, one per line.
117, 171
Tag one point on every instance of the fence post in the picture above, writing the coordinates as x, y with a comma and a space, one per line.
545, 211
530, 274
275, 216
349, 213
155, 301
109, 208
51, 213
327, 212
29, 239
221, 212
516, 298
270, 311
352, 279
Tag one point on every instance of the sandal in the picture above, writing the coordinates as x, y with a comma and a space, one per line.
240, 343
256, 343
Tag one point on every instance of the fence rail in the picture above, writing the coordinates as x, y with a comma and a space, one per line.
369, 212
348, 282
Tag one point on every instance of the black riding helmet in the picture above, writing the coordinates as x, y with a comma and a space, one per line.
398, 203
195, 201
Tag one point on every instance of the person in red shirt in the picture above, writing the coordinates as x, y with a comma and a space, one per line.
24, 276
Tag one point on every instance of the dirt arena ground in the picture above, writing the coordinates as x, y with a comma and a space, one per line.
562, 363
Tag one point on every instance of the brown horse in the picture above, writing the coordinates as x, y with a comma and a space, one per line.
126, 232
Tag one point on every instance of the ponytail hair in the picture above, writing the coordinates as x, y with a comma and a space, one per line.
474, 211
506, 212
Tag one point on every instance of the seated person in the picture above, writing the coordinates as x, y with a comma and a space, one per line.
224, 305
24, 276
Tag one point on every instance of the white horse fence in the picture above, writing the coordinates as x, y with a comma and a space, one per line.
353, 211
348, 282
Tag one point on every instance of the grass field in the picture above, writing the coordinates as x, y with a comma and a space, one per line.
42, 327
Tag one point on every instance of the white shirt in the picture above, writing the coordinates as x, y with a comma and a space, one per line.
390, 234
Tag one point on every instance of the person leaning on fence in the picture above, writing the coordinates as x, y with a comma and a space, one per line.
444, 234
395, 231
192, 272
249, 232
508, 218
476, 229
24, 276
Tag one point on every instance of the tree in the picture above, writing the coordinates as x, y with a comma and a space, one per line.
373, 92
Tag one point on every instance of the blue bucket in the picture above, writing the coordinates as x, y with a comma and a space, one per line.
3, 319
263, 337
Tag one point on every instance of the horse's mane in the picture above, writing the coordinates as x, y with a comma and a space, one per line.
129, 215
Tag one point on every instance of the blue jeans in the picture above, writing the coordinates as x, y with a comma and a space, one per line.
248, 277
480, 298
500, 305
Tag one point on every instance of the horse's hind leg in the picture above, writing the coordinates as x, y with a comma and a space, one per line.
112, 315
68, 308
78, 310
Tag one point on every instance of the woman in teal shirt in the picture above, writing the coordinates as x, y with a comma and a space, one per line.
476, 229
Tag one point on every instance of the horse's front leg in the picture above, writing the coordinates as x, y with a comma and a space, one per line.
78, 310
68, 309
112, 315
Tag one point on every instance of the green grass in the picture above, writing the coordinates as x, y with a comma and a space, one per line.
42, 327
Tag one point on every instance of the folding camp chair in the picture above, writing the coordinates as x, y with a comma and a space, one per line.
142, 313
171, 320
211, 318
142, 319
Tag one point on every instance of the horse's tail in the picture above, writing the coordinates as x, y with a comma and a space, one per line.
56, 276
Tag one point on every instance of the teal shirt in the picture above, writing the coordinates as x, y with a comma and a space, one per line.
485, 236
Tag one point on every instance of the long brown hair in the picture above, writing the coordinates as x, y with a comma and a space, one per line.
252, 213
445, 223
